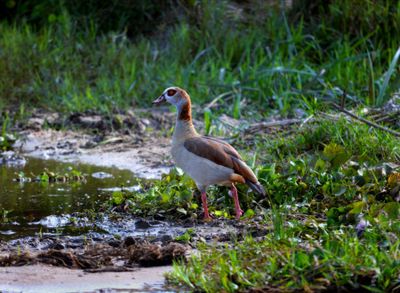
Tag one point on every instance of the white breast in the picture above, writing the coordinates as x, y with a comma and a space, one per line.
204, 172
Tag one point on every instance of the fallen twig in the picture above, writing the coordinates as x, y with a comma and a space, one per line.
110, 270
370, 123
256, 127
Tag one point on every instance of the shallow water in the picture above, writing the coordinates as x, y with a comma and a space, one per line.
45, 208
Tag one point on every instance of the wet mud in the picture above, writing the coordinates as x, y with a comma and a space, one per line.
110, 256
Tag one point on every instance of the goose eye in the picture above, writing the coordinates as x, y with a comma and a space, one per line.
171, 92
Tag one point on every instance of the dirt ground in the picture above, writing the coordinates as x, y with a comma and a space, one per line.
148, 160
135, 141
45, 278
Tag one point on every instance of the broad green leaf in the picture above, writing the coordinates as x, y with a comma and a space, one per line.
339, 189
335, 154
118, 197
392, 209
357, 207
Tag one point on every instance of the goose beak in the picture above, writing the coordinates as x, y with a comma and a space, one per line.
160, 100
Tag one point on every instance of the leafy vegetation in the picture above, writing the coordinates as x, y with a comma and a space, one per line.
4, 216
299, 260
272, 57
48, 176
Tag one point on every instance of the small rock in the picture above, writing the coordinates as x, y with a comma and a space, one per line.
102, 175
7, 232
129, 241
66, 144
165, 239
56, 246
114, 243
142, 224
35, 123
10, 158
393, 105
89, 144
89, 121
53, 119
145, 121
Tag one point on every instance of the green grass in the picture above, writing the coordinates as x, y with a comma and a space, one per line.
321, 181
315, 259
266, 61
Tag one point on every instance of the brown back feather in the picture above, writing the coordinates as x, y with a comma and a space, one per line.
221, 153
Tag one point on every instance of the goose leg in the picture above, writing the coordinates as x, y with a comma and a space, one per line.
238, 210
205, 207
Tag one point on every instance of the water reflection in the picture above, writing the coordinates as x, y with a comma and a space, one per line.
28, 208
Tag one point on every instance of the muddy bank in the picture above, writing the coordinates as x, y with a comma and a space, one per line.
96, 261
111, 256
85, 265
145, 243
133, 140
149, 159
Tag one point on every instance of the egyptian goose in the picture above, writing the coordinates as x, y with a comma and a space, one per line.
207, 160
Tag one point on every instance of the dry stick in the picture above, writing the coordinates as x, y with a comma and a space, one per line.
263, 125
370, 123
388, 117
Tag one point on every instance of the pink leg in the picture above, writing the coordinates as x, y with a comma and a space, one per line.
238, 210
205, 207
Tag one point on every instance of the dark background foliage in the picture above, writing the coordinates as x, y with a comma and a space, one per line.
351, 18
60, 53
136, 17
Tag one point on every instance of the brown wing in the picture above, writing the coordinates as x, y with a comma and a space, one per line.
221, 153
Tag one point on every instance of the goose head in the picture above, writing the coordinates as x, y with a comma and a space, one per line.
174, 96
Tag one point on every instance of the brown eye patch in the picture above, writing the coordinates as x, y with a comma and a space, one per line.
171, 92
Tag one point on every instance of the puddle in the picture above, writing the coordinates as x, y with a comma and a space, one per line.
56, 210
45, 208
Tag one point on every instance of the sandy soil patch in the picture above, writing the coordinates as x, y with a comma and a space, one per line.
45, 278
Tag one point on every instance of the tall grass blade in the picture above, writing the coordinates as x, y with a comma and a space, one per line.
207, 120
371, 82
387, 77
236, 106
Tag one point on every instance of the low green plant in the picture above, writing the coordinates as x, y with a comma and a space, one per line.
185, 237
5, 144
298, 261
4, 216
49, 177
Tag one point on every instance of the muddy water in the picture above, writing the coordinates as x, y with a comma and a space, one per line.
32, 208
